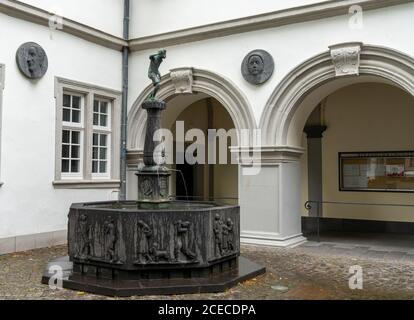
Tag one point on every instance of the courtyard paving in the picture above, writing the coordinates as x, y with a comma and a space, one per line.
311, 271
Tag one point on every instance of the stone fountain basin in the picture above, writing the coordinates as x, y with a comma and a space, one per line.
132, 236
126, 248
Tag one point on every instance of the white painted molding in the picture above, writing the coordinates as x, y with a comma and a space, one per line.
134, 158
271, 239
375, 61
85, 87
2, 76
29, 13
210, 83
87, 184
32, 241
274, 19
89, 91
346, 58
267, 155
182, 79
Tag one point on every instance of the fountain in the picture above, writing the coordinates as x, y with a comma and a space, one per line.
153, 245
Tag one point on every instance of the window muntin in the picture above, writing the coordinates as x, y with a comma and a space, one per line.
100, 153
71, 151
101, 113
101, 138
72, 109
72, 135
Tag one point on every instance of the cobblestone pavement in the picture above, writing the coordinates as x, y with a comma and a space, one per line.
305, 272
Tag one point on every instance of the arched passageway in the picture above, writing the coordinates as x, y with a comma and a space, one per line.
359, 150
284, 119
210, 102
203, 180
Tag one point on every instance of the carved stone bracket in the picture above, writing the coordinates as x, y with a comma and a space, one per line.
182, 79
346, 58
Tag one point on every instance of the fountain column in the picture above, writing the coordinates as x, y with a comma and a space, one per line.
153, 178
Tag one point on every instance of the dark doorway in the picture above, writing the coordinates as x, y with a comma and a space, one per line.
187, 172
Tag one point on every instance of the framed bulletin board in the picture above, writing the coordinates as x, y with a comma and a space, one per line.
376, 171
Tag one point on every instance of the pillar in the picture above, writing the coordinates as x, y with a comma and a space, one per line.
270, 201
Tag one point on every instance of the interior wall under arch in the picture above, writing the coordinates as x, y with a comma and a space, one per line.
363, 117
225, 179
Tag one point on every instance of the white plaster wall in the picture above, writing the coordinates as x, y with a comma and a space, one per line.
290, 45
28, 201
104, 15
267, 206
260, 201
366, 117
180, 14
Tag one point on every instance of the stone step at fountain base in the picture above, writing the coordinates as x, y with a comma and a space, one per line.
155, 270
215, 282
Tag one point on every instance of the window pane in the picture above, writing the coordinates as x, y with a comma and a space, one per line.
75, 137
95, 139
65, 136
95, 106
75, 152
102, 154
76, 116
66, 115
102, 166
66, 100
104, 107
75, 102
103, 140
65, 165
96, 119
95, 153
65, 151
103, 120
95, 166
74, 166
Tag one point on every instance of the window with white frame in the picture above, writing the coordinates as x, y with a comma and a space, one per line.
101, 138
87, 144
72, 135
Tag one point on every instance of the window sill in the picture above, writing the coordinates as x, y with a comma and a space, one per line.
86, 184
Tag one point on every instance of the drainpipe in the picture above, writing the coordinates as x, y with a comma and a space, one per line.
124, 111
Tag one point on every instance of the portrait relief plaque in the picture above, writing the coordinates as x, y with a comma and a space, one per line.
32, 60
257, 67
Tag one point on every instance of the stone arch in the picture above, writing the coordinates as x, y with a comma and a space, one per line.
375, 63
203, 81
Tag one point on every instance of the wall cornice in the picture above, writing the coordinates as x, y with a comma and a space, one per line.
29, 13
274, 19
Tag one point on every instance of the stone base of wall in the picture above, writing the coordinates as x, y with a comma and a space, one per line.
309, 225
32, 241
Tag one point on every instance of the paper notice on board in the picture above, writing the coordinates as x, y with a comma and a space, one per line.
380, 170
364, 170
351, 170
355, 182
395, 170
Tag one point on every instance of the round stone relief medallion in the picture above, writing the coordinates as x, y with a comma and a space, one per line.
257, 67
32, 60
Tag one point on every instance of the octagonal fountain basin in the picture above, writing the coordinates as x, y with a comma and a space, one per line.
130, 248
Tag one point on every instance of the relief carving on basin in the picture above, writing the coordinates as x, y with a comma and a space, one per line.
132, 238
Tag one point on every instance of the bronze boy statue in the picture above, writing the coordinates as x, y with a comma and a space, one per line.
154, 73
